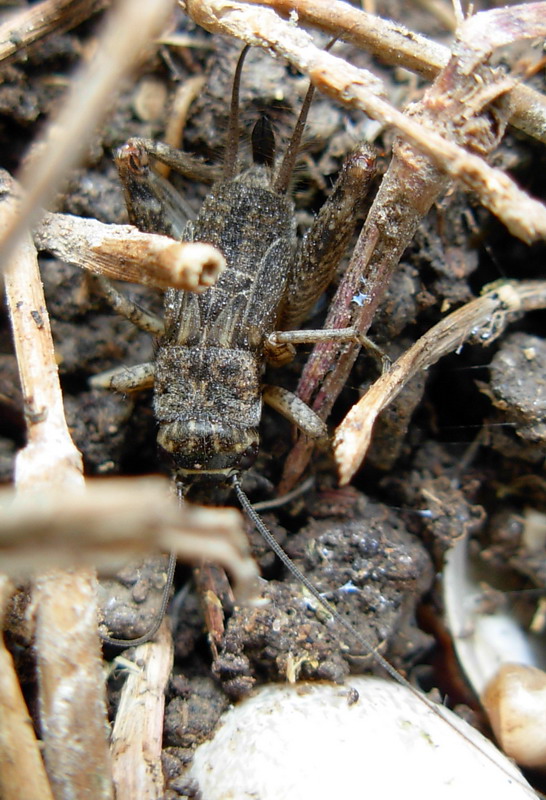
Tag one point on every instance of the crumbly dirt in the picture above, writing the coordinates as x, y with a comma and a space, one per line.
461, 451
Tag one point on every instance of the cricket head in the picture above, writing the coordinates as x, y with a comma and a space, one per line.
198, 451
208, 404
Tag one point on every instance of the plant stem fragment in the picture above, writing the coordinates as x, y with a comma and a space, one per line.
482, 320
122, 252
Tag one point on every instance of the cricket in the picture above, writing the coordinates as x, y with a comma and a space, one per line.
212, 347
207, 375
325, 581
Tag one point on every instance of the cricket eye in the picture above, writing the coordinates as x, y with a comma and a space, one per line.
135, 162
134, 157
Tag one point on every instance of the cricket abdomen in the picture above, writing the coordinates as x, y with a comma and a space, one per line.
207, 401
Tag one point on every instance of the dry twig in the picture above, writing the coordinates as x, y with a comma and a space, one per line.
138, 730
115, 520
71, 682
122, 252
394, 44
32, 24
482, 320
68, 652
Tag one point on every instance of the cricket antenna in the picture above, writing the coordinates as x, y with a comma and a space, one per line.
366, 646
284, 175
282, 181
153, 629
311, 588
232, 139
151, 632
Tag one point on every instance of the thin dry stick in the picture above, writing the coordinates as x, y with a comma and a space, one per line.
525, 217
26, 27
67, 646
114, 520
22, 772
138, 730
50, 455
482, 320
394, 44
71, 682
124, 253
129, 29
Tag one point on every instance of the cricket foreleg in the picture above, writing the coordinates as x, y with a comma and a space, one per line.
295, 411
282, 339
326, 241
125, 379
153, 204
187, 165
128, 309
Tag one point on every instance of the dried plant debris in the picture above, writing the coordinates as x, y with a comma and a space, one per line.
447, 432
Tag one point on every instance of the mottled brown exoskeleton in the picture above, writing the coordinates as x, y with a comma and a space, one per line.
212, 347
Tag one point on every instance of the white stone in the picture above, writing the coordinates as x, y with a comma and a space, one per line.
315, 742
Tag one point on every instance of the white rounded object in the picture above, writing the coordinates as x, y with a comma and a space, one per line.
515, 701
314, 741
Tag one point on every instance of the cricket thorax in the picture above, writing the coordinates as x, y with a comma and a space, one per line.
208, 404
254, 228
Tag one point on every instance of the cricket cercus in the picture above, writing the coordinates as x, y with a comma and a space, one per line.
213, 347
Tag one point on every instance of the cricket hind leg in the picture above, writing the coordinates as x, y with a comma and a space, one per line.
295, 411
153, 204
326, 241
125, 380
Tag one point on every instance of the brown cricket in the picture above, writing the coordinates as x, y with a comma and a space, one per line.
213, 346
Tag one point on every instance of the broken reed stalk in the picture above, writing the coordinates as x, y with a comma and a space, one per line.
127, 31
137, 735
116, 519
480, 321
122, 252
71, 686
25, 28
22, 772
